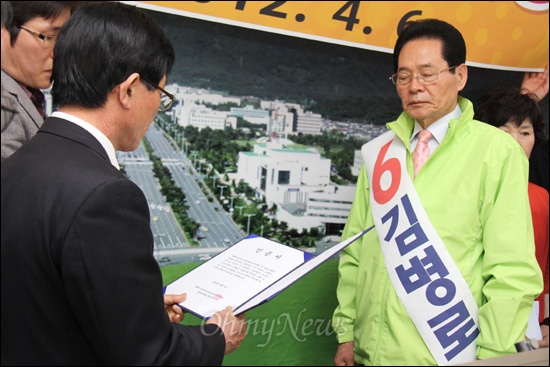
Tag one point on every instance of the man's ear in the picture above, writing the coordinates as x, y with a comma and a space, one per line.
462, 74
127, 90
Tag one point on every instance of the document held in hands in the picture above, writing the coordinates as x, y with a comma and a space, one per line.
247, 274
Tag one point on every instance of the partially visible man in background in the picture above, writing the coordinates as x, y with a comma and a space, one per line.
27, 58
7, 100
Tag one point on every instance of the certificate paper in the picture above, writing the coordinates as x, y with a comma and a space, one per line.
249, 273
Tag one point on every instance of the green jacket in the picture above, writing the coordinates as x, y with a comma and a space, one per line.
474, 190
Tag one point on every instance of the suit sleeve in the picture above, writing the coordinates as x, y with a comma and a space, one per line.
114, 285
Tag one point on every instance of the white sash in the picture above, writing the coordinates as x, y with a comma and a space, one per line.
423, 273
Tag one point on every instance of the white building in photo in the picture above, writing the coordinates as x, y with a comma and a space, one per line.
201, 116
308, 123
187, 95
298, 183
291, 119
357, 163
250, 114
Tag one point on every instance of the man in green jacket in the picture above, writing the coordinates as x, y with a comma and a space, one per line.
450, 273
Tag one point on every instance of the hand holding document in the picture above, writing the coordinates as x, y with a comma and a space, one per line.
247, 274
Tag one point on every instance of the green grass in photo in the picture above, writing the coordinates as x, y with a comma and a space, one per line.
292, 329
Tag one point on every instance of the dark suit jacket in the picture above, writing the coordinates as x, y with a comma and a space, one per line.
80, 285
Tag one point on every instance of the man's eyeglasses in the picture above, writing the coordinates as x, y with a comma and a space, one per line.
45, 38
166, 99
424, 76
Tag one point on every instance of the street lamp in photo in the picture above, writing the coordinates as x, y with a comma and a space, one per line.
194, 154
205, 166
221, 191
241, 209
248, 225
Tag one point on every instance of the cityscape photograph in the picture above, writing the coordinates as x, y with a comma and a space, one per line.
263, 138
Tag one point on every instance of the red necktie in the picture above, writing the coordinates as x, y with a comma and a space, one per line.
422, 150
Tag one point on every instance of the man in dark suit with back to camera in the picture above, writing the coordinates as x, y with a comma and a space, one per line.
80, 285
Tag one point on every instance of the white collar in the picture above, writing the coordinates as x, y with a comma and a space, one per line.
440, 127
103, 140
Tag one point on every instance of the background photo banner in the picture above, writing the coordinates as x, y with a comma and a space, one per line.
504, 35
